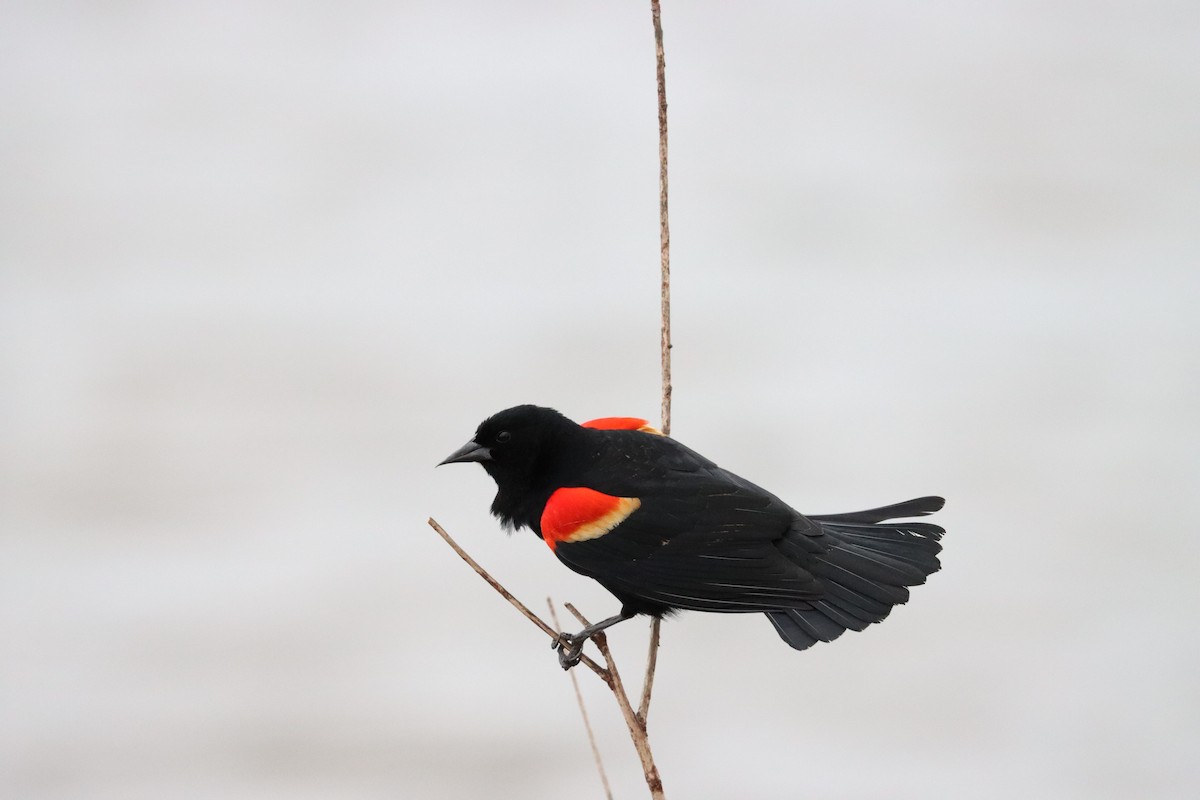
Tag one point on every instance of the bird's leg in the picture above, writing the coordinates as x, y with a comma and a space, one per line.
570, 645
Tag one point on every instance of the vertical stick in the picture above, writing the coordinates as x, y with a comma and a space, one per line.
664, 238
651, 664
664, 229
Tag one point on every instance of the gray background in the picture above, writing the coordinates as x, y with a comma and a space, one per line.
264, 264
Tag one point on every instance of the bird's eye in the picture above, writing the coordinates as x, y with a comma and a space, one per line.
503, 436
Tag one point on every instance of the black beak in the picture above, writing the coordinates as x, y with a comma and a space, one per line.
468, 452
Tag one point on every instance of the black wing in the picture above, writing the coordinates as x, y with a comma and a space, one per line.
702, 539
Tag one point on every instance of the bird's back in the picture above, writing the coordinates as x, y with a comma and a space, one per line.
702, 538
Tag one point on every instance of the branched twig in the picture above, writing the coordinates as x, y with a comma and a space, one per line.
495, 584
637, 731
587, 723
610, 675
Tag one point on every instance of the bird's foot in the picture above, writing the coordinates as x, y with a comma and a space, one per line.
570, 649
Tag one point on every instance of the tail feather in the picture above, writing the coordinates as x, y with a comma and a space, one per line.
872, 563
790, 630
859, 604
844, 615
835, 576
865, 564
796, 625
918, 507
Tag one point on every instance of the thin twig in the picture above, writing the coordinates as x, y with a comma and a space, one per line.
651, 663
664, 229
637, 731
664, 232
587, 723
495, 584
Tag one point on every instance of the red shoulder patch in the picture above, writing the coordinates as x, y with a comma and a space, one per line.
576, 513
621, 424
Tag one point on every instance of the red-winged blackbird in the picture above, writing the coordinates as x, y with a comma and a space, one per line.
664, 529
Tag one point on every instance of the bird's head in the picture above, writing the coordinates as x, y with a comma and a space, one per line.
516, 444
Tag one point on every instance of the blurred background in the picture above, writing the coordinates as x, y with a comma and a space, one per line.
264, 264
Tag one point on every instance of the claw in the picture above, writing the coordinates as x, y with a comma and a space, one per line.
570, 649
569, 657
570, 645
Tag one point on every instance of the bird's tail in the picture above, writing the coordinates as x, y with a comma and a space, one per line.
865, 563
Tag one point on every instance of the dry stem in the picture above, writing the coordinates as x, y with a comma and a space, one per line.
495, 584
664, 229
664, 234
634, 720
587, 723
651, 663
637, 730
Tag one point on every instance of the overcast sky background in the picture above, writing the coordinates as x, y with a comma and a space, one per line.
264, 264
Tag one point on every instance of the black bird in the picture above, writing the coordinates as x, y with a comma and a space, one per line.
665, 529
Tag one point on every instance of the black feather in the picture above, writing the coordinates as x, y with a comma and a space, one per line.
702, 538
